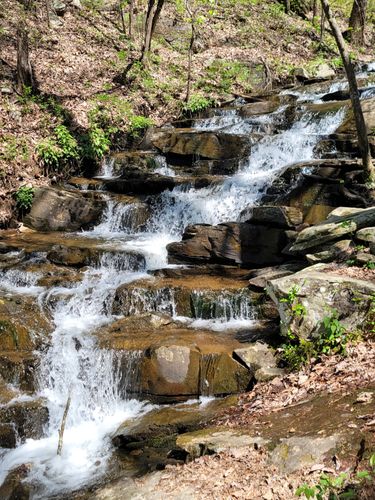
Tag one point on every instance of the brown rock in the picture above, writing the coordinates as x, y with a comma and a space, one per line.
62, 210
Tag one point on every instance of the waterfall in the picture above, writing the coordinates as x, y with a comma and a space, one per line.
74, 365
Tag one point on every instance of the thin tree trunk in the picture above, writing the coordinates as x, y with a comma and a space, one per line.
357, 22
121, 12
322, 25
354, 95
131, 19
190, 55
153, 13
46, 3
287, 6
24, 69
315, 9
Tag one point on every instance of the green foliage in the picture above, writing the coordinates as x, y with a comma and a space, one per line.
295, 306
222, 75
333, 338
197, 103
95, 143
139, 124
24, 198
338, 487
58, 150
13, 148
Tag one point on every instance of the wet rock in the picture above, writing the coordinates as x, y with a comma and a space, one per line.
209, 145
29, 418
328, 253
18, 368
215, 440
274, 216
328, 231
301, 74
321, 291
295, 453
258, 108
176, 363
230, 243
169, 420
14, 487
8, 435
207, 298
23, 326
83, 255
62, 210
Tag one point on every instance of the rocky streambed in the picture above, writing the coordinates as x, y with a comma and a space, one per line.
141, 300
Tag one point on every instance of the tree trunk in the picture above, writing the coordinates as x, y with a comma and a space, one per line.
131, 19
357, 22
354, 94
121, 12
287, 6
24, 69
153, 13
322, 25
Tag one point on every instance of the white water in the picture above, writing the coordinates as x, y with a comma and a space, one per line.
106, 170
75, 366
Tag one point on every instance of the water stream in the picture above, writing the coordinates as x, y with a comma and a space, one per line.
73, 365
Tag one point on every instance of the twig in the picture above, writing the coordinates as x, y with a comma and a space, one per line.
62, 428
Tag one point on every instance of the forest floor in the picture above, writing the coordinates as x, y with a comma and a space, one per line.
247, 473
79, 59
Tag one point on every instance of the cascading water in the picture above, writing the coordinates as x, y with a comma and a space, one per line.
74, 366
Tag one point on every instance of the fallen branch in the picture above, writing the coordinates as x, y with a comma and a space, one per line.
62, 428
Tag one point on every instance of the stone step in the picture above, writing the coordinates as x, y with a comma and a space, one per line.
72, 250
203, 297
174, 363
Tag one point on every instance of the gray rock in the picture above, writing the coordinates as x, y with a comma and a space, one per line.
256, 356
320, 292
296, 453
329, 231
328, 253
267, 373
301, 74
365, 258
339, 212
366, 234
216, 440
324, 71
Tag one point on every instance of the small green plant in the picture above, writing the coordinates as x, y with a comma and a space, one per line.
369, 265
346, 224
334, 338
197, 103
139, 124
24, 198
339, 487
296, 307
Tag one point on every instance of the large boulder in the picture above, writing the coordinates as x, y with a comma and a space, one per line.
209, 145
230, 243
173, 362
320, 291
63, 210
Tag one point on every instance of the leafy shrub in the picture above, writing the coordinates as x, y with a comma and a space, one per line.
58, 150
197, 103
24, 198
138, 124
97, 143
333, 339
